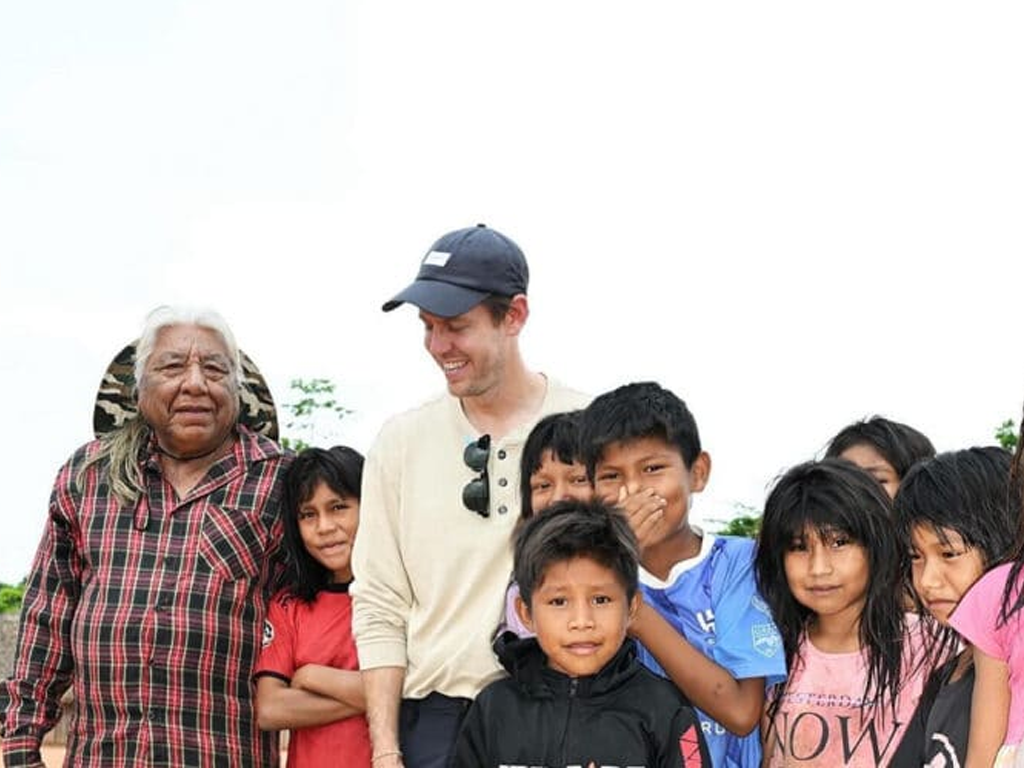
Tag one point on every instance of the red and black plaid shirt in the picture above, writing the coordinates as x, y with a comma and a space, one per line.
153, 615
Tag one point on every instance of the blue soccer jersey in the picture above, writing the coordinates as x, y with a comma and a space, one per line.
712, 600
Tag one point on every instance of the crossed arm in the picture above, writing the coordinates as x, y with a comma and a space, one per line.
316, 695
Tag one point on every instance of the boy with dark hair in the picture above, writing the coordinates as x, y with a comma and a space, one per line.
701, 622
577, 695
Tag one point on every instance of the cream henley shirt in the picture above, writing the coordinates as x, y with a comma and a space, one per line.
430, 573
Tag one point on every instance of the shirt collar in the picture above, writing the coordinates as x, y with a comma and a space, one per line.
247, 448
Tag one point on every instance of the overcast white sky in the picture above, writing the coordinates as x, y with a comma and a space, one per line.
792, 214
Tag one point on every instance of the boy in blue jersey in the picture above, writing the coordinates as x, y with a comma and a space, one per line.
702, 623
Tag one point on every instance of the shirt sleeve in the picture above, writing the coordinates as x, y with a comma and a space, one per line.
977, 614
748, 643
381, 593
274, 558
43, 663
277, 657
909, 753
685, 746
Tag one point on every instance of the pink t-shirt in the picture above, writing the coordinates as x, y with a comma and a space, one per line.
976, 618
819, 721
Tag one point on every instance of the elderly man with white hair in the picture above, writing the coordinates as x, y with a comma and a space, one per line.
147, 592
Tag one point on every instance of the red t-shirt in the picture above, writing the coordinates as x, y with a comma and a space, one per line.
299, 633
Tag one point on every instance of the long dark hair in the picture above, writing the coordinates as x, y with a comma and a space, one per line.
835, 496
341, 468
966, 492
899, 444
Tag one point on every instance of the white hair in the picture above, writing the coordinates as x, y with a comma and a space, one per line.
167, 316
120, 448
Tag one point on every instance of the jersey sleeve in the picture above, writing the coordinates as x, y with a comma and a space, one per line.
277, 656
747, 642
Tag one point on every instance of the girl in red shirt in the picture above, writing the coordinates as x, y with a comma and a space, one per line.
307, 678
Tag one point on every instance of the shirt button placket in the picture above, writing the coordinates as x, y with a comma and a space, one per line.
502, 493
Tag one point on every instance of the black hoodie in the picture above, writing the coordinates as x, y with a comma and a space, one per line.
539, 718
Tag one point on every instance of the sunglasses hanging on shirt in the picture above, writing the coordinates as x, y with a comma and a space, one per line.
477, 493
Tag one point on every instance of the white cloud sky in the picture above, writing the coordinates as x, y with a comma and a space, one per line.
793, 214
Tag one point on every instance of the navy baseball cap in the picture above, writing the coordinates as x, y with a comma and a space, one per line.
462, 269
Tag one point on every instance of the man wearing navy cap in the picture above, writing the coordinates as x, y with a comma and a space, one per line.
440, 500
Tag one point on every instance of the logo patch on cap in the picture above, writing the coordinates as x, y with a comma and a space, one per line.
437, 258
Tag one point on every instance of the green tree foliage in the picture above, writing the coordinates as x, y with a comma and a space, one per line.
11, 597
314, 405
746, 523
1006, 435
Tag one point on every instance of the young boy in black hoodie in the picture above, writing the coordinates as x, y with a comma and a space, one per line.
576, 695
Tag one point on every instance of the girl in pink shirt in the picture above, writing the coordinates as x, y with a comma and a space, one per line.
829, 566
953, 517
990, 618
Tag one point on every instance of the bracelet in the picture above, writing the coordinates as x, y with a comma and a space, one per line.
382, 755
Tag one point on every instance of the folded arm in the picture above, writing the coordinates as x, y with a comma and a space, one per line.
280, 705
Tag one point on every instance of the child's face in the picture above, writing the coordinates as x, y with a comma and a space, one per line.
828, 574
650, 465
872, 462
554, 481
943, 568
327, 524
580, 614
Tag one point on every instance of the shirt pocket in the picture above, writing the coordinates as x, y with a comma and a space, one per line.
232, 544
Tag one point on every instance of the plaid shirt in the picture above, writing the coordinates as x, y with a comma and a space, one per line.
157, 629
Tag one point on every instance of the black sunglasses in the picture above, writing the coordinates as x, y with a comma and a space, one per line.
477, 493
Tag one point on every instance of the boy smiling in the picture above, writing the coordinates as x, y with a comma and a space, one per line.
577, 695
701, 622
